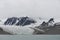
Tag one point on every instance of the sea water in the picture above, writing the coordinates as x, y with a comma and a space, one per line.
29, 37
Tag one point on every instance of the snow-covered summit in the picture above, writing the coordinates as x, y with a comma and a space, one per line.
14, 29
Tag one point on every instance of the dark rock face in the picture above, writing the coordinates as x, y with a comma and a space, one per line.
51, 19
1, 29
11, 21
28, 22
49, 29
4, 32
25, 21
21, 21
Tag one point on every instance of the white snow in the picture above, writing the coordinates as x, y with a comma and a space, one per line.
16, 29
13, 29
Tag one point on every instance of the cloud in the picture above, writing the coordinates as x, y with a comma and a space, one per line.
43, 8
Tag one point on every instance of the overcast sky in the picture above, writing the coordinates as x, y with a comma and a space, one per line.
42, 8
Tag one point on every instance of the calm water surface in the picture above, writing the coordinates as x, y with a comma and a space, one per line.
29, 37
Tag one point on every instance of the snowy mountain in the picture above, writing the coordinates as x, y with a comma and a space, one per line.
10, 25
22, 21
24, 27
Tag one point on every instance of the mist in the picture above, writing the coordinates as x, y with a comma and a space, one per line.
35, 8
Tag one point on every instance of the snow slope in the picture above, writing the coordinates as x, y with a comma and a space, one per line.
13, 29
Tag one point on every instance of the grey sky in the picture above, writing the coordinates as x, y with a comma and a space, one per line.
42, 8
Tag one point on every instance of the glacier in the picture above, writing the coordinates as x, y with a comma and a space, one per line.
13, 29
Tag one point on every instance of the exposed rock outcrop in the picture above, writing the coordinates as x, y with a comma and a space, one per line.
22, 21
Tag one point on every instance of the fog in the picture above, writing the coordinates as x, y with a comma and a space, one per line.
36, 8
